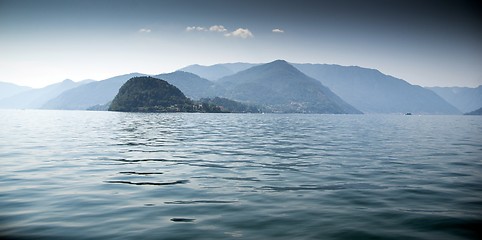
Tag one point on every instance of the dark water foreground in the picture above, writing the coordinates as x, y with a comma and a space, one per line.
105, 175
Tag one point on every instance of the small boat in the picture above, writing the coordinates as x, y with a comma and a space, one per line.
409, 113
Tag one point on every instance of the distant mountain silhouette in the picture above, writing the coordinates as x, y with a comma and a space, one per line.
190, 84
280, 87
229, 105
475, 112
217, 71
317, 88
209, 72
91, 94
35, 98
10, 89
373, 92
101, 92
239, 66
464, 98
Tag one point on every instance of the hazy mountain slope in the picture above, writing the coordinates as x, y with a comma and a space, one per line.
475, 112
190, 84
239, 66
213, 72
464, 98
91, 94
282, 88
231, 106
10, 89
373, 92
35, 98
217, 71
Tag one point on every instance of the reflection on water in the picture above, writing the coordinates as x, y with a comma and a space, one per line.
97, 175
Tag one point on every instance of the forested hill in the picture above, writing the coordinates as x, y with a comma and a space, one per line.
148, 94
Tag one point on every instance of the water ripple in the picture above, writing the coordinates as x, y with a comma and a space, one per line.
354, 186
200, 201
150, 183
185, 220
141, 173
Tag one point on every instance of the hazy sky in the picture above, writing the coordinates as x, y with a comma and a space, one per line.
428, 43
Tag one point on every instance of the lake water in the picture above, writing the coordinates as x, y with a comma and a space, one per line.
107, 175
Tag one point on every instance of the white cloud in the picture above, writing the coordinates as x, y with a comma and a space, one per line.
240, 32
194, 28
217, 28
277, 30
145, 30
214, 28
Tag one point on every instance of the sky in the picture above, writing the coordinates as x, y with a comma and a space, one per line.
424, 42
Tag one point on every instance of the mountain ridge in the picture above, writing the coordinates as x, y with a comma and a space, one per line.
88, 95
371, 91
475, 112
368, 90
374, 92
466, 99
217, 71
35, 98
10, 89
190, 84
284, 88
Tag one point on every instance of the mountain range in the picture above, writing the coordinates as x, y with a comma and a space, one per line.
192, 85
88, 95
464, 98
217, 71
374, 92
278, 86
36, 98
368, 90
475, 112
10, 89
101, 92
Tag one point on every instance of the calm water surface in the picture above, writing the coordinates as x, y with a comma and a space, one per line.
105, 175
